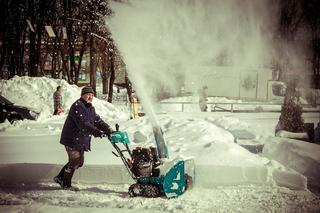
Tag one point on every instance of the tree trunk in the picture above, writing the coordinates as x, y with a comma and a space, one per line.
105, 73
3, 25
112, 78
32, 50
71, 52
65, 71
83, 47
42, 63
316, 61
38, 50
54, 59
22, 49
92, 62
2, 58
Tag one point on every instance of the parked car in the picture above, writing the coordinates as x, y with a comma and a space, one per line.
12, 112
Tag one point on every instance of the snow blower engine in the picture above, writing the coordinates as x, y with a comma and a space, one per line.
154, 176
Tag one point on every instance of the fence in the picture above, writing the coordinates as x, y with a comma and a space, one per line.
233, 107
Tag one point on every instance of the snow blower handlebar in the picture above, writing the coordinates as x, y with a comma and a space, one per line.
109, 135
117, 137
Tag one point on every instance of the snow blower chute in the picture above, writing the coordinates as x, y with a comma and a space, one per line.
153, 173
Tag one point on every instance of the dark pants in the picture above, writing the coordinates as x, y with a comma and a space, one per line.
75, 158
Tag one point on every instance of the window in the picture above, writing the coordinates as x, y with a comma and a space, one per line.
279, 89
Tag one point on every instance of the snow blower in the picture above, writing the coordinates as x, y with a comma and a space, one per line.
153, 173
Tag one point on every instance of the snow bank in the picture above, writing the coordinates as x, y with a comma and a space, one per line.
239, 130
292, 135
300, 156
37, 93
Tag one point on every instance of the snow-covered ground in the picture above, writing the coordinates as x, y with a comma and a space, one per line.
113, 198
229, 178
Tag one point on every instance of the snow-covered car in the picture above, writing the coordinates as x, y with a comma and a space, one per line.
12, 112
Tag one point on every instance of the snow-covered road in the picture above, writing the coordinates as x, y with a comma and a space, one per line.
48, 197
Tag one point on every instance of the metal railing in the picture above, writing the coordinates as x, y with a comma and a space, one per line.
240, 107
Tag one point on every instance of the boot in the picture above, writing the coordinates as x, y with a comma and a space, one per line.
67, 177
59, 178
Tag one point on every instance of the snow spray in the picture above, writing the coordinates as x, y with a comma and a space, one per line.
164, 42
147, 106
169, 41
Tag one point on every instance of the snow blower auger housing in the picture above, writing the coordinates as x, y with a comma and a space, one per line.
153, 176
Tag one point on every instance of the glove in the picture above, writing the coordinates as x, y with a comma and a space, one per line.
108, 132
98, 133
111, 130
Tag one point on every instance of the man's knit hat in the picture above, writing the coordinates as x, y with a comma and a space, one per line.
87, 89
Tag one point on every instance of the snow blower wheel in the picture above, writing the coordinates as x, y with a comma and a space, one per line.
152, 191
144, 190
135, 190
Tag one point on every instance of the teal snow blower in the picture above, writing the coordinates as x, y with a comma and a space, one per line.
153, 173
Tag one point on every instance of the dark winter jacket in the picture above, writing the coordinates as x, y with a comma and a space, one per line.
81, 123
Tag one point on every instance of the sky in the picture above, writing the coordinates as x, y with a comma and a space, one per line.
227, 177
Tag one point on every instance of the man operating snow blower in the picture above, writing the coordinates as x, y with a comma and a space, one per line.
81, 123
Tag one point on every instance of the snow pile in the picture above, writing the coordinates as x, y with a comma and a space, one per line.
238, 129
301, 156
37, 94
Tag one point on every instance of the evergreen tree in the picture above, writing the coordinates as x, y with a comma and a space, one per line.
291, 112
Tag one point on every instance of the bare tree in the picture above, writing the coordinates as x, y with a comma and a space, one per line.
312, 14
78, 26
